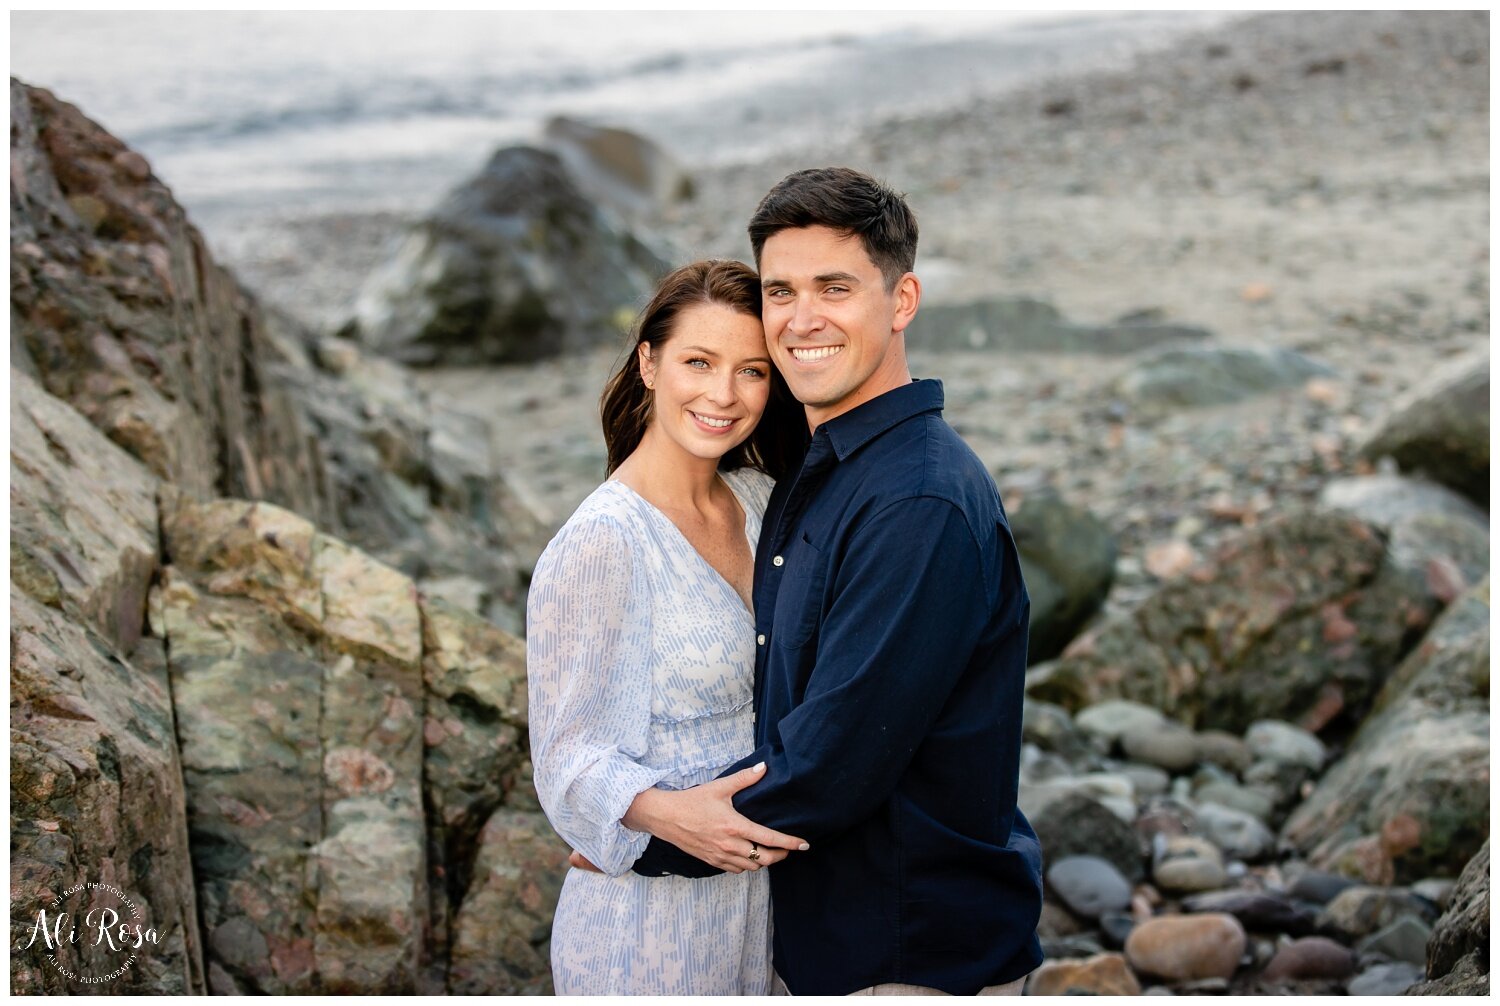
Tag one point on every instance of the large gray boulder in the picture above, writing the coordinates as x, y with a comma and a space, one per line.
1068, 560
1410, 797
1299, 619
516, 264
1027, 325
1442, 428
1435, 535
627, 171
1185, 377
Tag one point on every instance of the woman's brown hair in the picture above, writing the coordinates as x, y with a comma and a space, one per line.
779, 439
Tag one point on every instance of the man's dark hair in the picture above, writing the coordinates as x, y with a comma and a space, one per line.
844, 200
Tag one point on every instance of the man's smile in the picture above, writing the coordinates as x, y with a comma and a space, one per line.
814, 353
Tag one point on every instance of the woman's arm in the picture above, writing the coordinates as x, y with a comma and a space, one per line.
588, 657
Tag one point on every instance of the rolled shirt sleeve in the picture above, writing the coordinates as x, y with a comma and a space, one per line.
588, 667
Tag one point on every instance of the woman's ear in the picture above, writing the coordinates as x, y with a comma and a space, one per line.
647, 364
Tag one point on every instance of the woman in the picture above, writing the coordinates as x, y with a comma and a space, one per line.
641, 653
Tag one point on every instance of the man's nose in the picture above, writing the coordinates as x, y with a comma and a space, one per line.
805, 318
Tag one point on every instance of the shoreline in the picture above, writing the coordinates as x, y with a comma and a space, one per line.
1339, 213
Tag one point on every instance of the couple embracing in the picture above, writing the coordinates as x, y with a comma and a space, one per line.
776, 661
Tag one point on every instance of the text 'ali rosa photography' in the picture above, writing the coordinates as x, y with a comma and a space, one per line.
90, 933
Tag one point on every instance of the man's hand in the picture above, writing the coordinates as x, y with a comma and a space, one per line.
576, 860
702, 822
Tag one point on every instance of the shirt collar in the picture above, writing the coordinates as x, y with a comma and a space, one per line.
863, 423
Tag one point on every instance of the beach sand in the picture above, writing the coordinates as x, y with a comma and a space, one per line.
1310, 181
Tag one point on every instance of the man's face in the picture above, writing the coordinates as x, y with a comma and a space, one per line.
833, 330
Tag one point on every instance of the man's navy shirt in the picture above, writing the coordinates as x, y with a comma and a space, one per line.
890, 667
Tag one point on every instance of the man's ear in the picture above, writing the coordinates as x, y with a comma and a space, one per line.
647, 364
908, 298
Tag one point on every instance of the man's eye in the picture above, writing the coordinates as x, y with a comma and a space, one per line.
838, 289
779, 294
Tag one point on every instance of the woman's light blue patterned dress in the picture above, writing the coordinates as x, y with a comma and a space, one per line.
641, 660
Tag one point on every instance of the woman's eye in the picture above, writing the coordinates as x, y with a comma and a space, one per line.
754, 372
700, 364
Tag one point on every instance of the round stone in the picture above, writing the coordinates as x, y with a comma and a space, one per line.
1216, 747
1088, 886
1110, 720
1237, 833
1168, 746
1186, 864
1101, 975
1183, 948
1273, 740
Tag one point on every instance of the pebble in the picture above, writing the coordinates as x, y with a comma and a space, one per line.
1241, 798
1187, 864
1168, 746
1237, 833
1216, 747
1060, 947
1167, 819
1057, 921
1402, 940
1051, 729
1282, 783
1436, 890
1309, 958
1148, 779
1089, 886
1100, 975
1184, 948
1116, 927
1274, 740
1258, 911
1386, 979
1078, 825
1111, 719
1362, 910
1169, 559
1318, 886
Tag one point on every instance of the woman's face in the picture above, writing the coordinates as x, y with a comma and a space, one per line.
712, 378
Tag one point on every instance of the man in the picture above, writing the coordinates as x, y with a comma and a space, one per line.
891, 626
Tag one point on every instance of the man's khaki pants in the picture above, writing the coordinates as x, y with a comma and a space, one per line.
891, 989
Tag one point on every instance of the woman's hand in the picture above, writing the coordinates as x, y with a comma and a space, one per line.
702, 822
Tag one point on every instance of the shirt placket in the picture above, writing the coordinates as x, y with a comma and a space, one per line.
819, 460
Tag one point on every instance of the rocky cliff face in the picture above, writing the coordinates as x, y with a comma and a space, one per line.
252, 687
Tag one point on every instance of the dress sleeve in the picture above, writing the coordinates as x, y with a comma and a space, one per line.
588, 669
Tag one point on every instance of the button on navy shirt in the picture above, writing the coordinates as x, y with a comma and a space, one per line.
891, 621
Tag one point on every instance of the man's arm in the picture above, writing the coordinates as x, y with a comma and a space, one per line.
909, 604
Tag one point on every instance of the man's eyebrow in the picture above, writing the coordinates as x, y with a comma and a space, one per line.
827, 277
